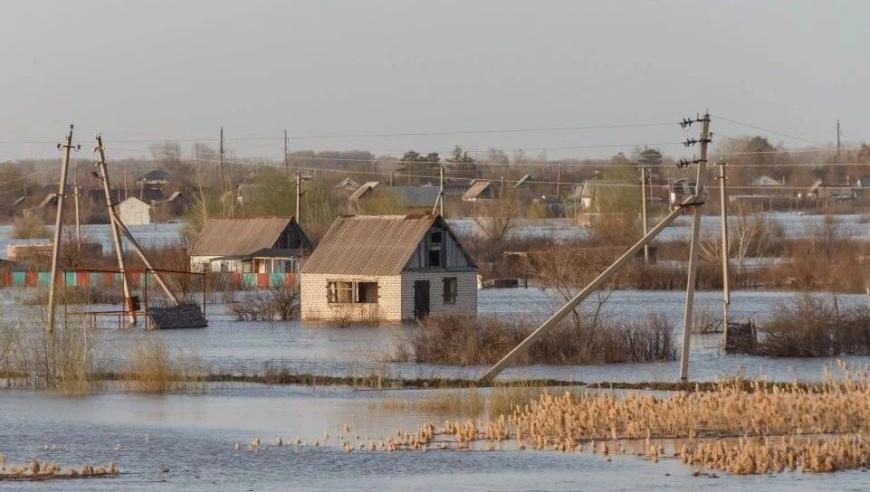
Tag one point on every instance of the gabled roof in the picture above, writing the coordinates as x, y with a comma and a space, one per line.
371, 244
235, 237
155, 175
369, 185
477, 187
414, 196
524, 180
346, 183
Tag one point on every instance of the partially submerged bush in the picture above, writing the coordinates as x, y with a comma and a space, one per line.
281, 303
470, 340
29, 227
811, 326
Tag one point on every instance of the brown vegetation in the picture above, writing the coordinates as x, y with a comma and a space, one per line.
152, 368
470, 340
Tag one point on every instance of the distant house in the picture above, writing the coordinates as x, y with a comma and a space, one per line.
679, 190
480, 189
154, 179
346, 186
594, 191
862, 187
765, 181
411, 199
366, 189
388, 267
134, 211
260, 245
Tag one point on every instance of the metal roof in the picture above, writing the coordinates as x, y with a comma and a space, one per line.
234, 237
368, 185
369, 244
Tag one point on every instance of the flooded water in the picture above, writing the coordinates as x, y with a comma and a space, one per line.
147, 235
232, 346
190, 446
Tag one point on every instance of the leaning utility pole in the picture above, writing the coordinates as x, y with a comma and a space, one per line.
115, 229
694, 245
723, 221
66, 147
643, 213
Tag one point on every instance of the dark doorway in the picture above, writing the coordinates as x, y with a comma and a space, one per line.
421, 299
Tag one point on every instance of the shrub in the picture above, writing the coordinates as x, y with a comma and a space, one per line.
152, 368
29, 227
470, 340
281, 302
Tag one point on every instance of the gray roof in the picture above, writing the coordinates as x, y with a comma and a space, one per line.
234, 237
414, 196
368, 185
369, 244
476, 188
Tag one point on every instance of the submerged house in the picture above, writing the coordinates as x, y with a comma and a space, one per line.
388, 267
258, 245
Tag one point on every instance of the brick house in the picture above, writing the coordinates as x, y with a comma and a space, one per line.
390, 268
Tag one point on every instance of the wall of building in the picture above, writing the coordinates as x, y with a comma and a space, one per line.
134, 212
466, 292
315, 304
205, 263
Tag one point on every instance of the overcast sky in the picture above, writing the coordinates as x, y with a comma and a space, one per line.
140, 70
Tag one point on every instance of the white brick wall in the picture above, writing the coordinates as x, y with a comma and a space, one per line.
316, 306
466, 292
395, 296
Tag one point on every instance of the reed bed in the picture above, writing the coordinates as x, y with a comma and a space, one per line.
41, 471
819, 429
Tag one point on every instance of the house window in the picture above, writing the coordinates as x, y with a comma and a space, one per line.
367, 292
352, 292
340, 292
435, 249
450, 290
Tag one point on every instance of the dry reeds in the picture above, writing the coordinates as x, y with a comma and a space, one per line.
471, 340
152, 368
39, 471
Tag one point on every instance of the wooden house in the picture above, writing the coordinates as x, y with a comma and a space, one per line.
390, 268
259, 245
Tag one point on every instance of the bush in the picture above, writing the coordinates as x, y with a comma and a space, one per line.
281, 302
811, 326
152, 368
29, 227
470, 340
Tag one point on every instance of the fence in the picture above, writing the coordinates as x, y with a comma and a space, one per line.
111, 280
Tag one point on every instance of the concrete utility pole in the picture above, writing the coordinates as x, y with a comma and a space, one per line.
76, 200
643, 213
439, 202
66, 147
723, 221
688, 315
113, 225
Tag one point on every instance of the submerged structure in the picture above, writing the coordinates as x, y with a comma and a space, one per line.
390, 268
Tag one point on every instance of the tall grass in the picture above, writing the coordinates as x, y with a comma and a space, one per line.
153, 368
470, 340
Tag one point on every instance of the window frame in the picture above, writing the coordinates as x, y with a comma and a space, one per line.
343, 292
450, 290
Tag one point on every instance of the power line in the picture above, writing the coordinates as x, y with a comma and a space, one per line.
756, 127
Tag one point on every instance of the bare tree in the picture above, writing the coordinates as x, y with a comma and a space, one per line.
496, 217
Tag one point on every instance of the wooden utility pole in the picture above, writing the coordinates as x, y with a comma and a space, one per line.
221, 169
298, 195
65, 147
723, 221
114, 227
76, 200
287, 156
126, 189
694, 245
643, 220
838, 141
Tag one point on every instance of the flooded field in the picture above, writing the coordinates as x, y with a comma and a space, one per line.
187, 442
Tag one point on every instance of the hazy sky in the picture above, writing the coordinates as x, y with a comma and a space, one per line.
140, 70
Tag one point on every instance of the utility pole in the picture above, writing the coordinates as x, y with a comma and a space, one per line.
221, 170
838, 141
115, 229
723, 221
643, 220
298, 194
698, 201
126, 189
76, 200
558, 180
287, 155
439, 202
66, 147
